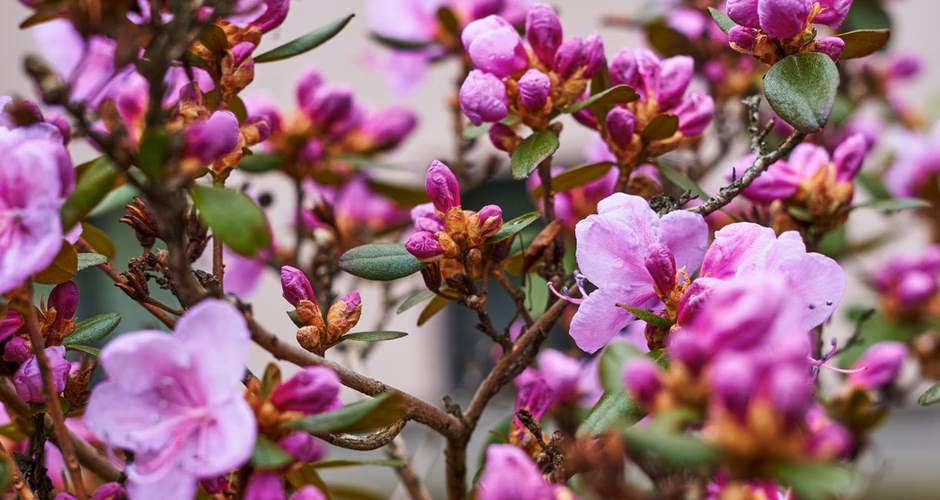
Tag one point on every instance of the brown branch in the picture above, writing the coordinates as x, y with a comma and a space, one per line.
365, 442
87, 455
153, 308
548, 198
16, 480
18, 409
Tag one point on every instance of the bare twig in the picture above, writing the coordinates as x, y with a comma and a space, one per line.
22, 488
90, 457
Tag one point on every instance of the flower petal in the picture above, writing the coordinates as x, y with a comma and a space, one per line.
216, 334
735, 245
608, 241
599, 320
229, 439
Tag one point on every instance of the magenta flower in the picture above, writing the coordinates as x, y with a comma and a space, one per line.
274, 14
265, 485
28, 380
176, 401
786, 18
315, 389
910, 281
608, 245
511, 475
916, 159
883, 361
494, 46
36, 176
441, 185
641, 378
483, 98
210, 139
534, 87
543, 31
303, 447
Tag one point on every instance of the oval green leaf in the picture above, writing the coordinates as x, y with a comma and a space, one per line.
613, 409
268, 455
532, 151
260, 163
816, 481
660, 128
399, 44
415, 300
930, 396
894, 204
576, 177
86, 260
721, 19
92, 329
861, 43
153, 151
514, 226
233, 217
611, 365
85, 349
62, 269
97, 179
380, 262
374, 336
668, 41
681, 180
651, 318
381, 411
307, 42
801, 89
98, 241
621, 94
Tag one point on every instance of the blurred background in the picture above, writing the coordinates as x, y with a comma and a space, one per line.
445, 355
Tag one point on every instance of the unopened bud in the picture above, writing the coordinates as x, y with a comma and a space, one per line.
534, 87
543, 31
661, 265
295, 286
695, 113
303, 447
265, 485
620, 126
313, 390
503, 137
208, 140
441, 185
483, 98
425, 246
641, 377
832, 46
343, 315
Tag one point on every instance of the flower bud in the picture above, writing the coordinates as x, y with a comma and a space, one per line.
503, 137
661, 264
714, 73
242, 51
832, 46
829, 442
303, 447
833, 12
791, 392
273, 16
593, 54
902, 67
330, 106
389, 127
491, 220
483, 98
59, 122
543, 31
208, 140
308, 493
848, 157
883, 361
623, 68
343, 315
215, 485
265, 485
312, 390
695, 113
110, 491
441, 185
295, 286
64, 299
262, 106
641, 377
28, 380
307, 85
12, 322
425, 219
734, 378
675, 74
783, 18
499, 52
570, 57
311, 152
620, 126
480, 27
17, 350
424, 246
743, 39
534, 87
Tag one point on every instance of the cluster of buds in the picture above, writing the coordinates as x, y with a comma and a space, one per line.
908, 286
770, 30
444, 230
316, 334
533, 84
328, 124
810, 188
225, 54
662, 87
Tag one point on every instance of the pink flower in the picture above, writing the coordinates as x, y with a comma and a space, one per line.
295, 286
483, 98
543, 31
494, 46
883, 361
534, 87
176, 402
313, 390
36, 176
511, 475
28, 380
208, 140
441, 185
911, 281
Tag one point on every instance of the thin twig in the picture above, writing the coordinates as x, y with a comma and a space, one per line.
88, 456
16, 479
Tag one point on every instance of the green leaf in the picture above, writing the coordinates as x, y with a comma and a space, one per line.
576, 177
400, 44
721, 19
801, 89
659, 357
815, 481
237, 106
681, 180
668, 41
475, 131
92, 329
98, 241
660, 128
292, 314
34, 20
380, 262
436, 305
873, 185
531, 152
259, 163
333, 464
381, 411
674, 447
894, 205
153, 151
614, 408
98, 178
861, 43
621, 94
86, 260
305, 43
651, 318
599, 84
215, 39
271, 379
415, 300
930, 396
514, 226
115, 200
867, 14
85, 349
405, 196
611, 365
374, 336
233, 217
62, 269
13, 432
268, 455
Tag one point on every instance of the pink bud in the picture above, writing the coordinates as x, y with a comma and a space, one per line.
714, 73
743, 38
791, 391
352, 300
783, 18
675, 74
483, 98
695, 113
832, 46
295, 286
241, 51
307, 84
12, 322
593, 54
502, 136
308, 493
661, 265
543, 31
265, 486
28, 380
744, 12
883, 360
262, 106
273, 16
848, 157
833, 12
620, 126
570, 57
303, 447
64, 298
491, 219
425, 218
329, 106
734, 378
390, 126
903, 67
424, 246
312, 390
441, 185
623, 68
215, 485
62, 124
830, 441
641, 377
17, 350
110, 491
534, 396
262, 124
480, 27
311, 152
208, 140
499, 52
534, 87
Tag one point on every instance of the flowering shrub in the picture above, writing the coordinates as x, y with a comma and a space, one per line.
692, 322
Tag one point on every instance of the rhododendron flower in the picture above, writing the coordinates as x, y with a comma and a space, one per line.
28, 380
916, 159
786, 18
511, 475
908, 284
883, 361
176, 402
315, 389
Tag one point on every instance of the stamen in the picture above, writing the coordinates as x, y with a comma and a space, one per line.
564, 294
821, 363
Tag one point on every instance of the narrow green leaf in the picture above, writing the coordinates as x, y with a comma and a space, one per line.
85, 349
374, 336
613, 409
37, 19
611, 365
668, 41
381, 411
576, 177
651, 318
97, 179
380, 262
873, 185
894, 204
62, 269
98, 241
237, 106
531, 152
599, 84
400, 44
436, 305
115, 200
333, 464
293, 317
721, 19
816, 481
215, 39
660, 128
621, 94
681, 180
514, 226
259, 163
268, 455
801, 89
86, 260
153, 151
930, 396
415, 300
92, 329
271, 379
674, 447
305, 43
233, 217
475, 131
861, 43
